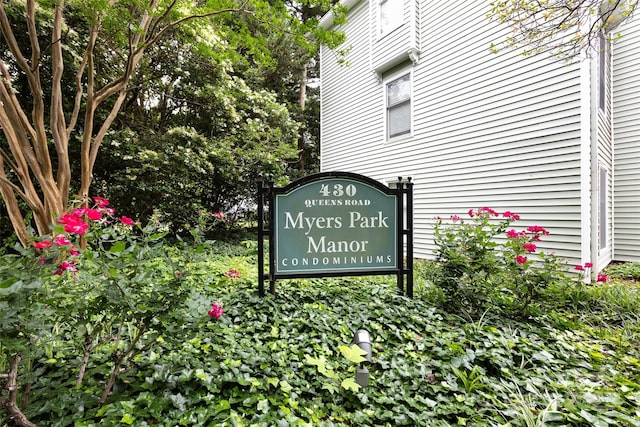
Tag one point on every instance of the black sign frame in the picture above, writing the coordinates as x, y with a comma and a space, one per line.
402, 190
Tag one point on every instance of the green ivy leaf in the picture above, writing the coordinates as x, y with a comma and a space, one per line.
350, 384
354, 353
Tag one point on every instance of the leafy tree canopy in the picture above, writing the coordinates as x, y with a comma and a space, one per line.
70, 69
565, 28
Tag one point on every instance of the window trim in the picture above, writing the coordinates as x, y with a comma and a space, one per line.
603, 208
385, 84
603, 63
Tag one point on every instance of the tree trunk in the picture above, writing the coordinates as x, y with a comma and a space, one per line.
11, 404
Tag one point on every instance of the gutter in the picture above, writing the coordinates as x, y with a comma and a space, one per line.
327, 20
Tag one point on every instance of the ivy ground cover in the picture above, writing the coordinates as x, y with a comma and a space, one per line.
286, 360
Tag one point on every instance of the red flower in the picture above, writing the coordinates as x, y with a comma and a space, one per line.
73, 224
488, 211
61, 240
520, 259
513, 234
45, 244
65, 266
101, 202
232, 274
537, 229
601, 278
471, 213
126, 220
529, 247
216, 310
218, 215
94, 214
588, 265
579, 268
509, 214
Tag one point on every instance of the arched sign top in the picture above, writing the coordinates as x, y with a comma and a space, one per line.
336, 224
328, 175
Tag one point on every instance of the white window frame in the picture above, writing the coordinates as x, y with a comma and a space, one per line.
386, 82
397, 18
603, 208
603, 64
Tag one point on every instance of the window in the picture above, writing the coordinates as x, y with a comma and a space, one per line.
603, 50
603, 197
398, 102
391, 15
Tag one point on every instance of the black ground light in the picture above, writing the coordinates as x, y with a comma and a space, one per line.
363, 340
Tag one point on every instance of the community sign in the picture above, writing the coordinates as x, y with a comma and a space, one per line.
333, 224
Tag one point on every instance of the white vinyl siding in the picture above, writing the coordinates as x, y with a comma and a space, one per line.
501, 131
626, 125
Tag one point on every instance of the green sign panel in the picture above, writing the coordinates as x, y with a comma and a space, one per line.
335, 225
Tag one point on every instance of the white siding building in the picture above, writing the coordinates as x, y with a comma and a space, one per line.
422, 95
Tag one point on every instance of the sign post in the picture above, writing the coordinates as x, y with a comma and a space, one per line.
336, 224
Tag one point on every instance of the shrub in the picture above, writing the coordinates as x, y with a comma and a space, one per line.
63, 309
476, 272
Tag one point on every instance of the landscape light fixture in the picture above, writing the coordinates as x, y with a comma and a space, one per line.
363, 340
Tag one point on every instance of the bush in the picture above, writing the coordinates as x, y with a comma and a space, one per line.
477, 273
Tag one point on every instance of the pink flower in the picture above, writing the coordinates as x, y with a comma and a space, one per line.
471, 213
579, 268
61, 240
487, 210
232, 274
601, 278
218, 215
73, 224
529, 247
126, 220
520, 259
45, 244
101, 202
73, 251
513, 234
509, 214
588, 265
65, 266
216, 310
455, 218
537, 229
94, 214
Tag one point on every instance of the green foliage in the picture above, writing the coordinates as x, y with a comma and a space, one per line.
558, 26
344, 376
260, 362
476, 272
626, 270
187, 175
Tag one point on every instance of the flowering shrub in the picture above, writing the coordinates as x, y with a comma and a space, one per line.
477, 273
98, 285
584, 272
60, 249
